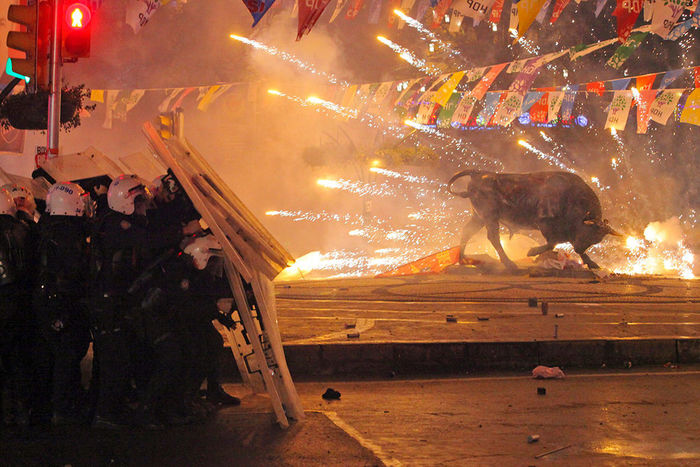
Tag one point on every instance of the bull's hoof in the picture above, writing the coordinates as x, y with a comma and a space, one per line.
510, 266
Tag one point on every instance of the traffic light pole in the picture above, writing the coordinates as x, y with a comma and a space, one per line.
54, 117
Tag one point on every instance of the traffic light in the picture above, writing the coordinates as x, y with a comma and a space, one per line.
34, 40
166, 126
76, 30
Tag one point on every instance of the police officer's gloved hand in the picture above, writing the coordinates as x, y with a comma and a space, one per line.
226, 320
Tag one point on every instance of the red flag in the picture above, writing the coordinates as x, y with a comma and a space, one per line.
697, 76
496, 11
539, 112
558, 8
354, 9
309, 11
597, 87
627, 12
645, 82
439, 13
646, 97
498, 106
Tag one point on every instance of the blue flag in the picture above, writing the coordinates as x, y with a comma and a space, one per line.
567, 105
490, 103
669, 77
258, 8
620, 84
530, 99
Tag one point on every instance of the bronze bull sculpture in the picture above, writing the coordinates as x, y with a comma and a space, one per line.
558, 204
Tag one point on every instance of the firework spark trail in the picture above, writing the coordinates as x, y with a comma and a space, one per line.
406, 177
358, 188
289, 58
322, 216
459, 144
343, 111
426, 33
548, 157
409, 57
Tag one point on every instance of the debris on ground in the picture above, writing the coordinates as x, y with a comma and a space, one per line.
331, 394
538, 456
451, 318
541, 391
353, 335
546, 372
558, 259
482, 318
670, 365
532, 302
628, 364
559, 315
350, 325
545, 308
533, 438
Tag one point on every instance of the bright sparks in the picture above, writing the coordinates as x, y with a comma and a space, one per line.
275, 52
544, 156
408, 56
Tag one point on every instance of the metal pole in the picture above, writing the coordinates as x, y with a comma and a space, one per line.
54, 117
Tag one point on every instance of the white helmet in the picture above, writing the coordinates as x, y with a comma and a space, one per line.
67, 199
24, 199
203, 248
123, 191
7, 204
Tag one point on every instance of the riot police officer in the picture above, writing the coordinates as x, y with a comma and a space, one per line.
123, 245
59, 298
15, 317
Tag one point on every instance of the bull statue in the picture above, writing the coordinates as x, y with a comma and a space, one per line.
558, 204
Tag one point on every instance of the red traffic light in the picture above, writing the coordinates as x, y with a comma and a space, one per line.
78, 16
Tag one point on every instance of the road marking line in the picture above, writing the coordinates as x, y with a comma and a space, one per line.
376, 450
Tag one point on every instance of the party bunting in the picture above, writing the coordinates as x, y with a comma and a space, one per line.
500, 102
444, 119
354, 9
477, 9
558, 8
258, 8
696, 73
624, 51
664, 105
530, 99
309, 12
349, 95
619, 110
539, 111
110, 99
666, 13
524, 80
439, 12
599, 7
464, 109
648, 9
486, 81
455, 21
379, 96
555, 100
443, 94
527, 11
338, 8
139, 12
517, 66
567, 106
670, 77
474, 74
597, 87
691, 110
644, 101
693, 22
645, 82
509, 109
97, 95
490, 102
620, 84
580, 50
626, 12
426, 109
543, 12
513, 21
496, 11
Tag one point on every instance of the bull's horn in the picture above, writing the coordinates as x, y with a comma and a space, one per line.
460, 174
609, 230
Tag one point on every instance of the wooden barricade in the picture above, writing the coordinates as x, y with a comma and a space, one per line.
252, 255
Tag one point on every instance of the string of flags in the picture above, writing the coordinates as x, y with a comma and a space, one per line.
662, 15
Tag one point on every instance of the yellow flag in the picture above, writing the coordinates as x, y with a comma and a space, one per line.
207, 98
97, 95
443, 94
691, 111
527, 12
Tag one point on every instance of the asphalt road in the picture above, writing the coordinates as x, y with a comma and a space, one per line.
486, 308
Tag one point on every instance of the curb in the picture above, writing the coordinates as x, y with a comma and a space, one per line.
386, 360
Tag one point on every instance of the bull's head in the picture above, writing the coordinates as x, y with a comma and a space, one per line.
603, 227
455, 177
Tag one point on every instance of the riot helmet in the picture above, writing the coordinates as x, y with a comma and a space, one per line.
7, 204
22, 196
202, 249
124, 192
68, 199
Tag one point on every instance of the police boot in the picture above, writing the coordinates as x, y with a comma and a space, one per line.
217, 395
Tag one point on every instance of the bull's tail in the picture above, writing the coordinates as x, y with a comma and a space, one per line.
460, 174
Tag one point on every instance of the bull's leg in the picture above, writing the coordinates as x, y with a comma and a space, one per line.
538, 250
470, 229
495, 238
586, 259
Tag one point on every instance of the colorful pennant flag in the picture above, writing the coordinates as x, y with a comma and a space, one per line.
539, 111
496, 11
97, 95
509, 109
645, 82
444, 94
558, 8
580, 50
138, 13
691, 110
340, 4
464, 109
619, 110
646, 97
555, 100
597, 87
354, 9
666, 13
477, 9
693, 22
624, 51
490, 102
525, 78
439, 13
444, 119
530, 99
426, 109
696, 73
670, 77
543, 12
258, 8
486, 81
567, 106
308, 15
627, 12
620, 84
527, 11
599, 7
664, 105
